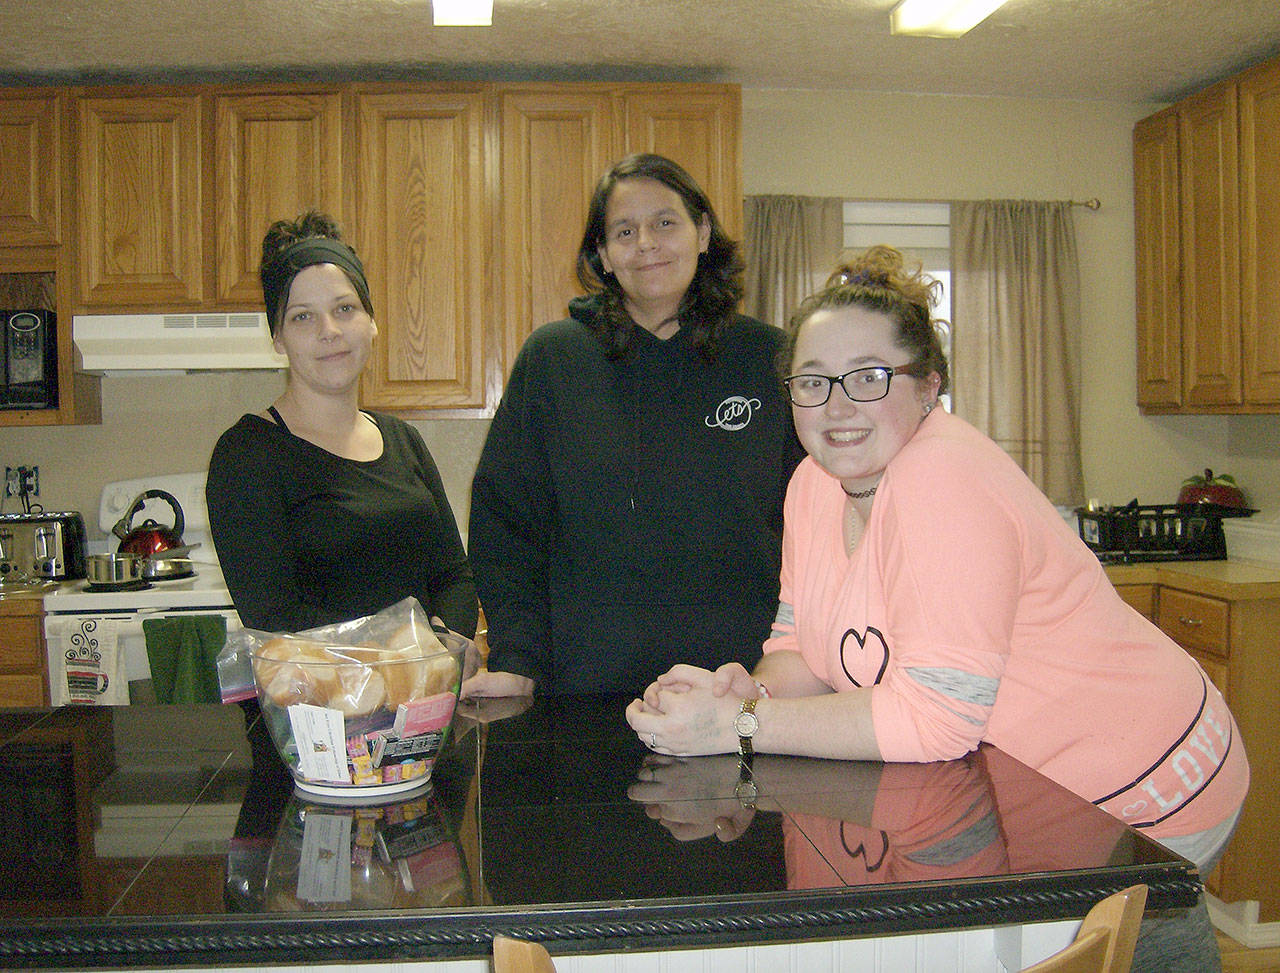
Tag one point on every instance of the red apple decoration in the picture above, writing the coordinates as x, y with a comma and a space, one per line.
1220, 489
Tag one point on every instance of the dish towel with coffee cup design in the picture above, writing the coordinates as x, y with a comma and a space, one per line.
183, 652
87, 667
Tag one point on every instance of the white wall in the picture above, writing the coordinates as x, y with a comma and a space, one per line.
872, 146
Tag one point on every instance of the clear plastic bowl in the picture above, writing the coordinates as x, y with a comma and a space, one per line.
395, 854
358, 723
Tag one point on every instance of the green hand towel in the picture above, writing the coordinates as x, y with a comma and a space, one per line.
183, 651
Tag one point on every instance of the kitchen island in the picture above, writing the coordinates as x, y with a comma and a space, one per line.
146, 836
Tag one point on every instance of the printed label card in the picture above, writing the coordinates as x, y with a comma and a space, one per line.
322, 744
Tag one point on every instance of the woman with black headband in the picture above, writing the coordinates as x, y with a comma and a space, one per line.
322, 511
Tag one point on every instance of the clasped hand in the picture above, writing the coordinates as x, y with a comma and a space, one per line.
690, 711
692, 798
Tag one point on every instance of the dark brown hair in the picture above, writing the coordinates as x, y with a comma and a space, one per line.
713, 295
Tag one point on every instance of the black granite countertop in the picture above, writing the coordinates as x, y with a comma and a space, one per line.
146, 835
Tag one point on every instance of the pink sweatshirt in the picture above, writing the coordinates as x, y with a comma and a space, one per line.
978, 615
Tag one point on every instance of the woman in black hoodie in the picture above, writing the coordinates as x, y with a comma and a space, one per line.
627, 508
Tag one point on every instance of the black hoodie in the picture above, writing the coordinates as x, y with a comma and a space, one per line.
627, 515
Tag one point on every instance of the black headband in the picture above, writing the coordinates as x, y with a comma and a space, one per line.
306, 253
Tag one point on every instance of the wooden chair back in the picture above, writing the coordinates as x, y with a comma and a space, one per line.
1106, 938
520, 956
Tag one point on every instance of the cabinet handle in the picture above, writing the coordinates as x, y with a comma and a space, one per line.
1189, 622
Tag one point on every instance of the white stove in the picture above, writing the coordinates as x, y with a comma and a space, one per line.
97, 644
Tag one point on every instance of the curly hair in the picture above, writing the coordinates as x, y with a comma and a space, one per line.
712, 298
878, 280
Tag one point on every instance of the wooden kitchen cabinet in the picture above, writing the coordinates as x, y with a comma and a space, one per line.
1260, 234
443, 244
147, 222
699, 129
1158, 279
1207, 232
465, 201
35, 269
1199, 625
1234, 640
423, 216
1140, 596
1209, 167
140, 230
555, 145
23, 667
30, 168
276, 155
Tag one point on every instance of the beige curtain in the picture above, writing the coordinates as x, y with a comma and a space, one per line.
1016, 335
790, 246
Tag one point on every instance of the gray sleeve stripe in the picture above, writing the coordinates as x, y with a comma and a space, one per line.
786, 617
982, 834
966, 687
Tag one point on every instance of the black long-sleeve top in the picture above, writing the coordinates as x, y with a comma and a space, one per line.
306, 538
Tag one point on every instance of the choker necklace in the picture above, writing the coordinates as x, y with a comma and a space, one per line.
860, 494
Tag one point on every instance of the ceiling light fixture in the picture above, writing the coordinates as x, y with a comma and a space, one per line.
940, 18
462, 13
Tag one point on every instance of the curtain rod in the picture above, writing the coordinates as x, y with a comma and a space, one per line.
1093, 203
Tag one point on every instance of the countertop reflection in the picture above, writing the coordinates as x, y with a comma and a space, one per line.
153, 834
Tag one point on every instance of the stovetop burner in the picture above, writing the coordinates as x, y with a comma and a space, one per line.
140, 584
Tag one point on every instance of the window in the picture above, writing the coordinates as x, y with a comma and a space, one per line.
922, 231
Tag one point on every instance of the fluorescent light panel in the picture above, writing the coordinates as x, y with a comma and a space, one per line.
941, 18
462, 13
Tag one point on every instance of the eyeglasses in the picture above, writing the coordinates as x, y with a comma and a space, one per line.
861, 385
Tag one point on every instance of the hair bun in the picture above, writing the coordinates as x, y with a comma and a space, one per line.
848, 277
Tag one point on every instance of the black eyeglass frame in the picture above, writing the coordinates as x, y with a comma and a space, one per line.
911, 369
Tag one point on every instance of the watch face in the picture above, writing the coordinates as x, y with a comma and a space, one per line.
746, 724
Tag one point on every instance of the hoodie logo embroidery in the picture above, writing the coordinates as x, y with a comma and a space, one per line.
733, 413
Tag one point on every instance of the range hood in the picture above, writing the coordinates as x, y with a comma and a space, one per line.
185, 342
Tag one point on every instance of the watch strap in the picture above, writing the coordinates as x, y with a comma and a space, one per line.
746, 724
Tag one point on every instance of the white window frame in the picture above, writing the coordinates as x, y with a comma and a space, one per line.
922, 231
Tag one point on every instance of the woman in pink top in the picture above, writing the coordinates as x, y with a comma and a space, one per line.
932, 599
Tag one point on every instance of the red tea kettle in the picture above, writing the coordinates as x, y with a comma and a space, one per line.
149, 537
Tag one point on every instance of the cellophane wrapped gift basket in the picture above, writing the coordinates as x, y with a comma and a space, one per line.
357, 710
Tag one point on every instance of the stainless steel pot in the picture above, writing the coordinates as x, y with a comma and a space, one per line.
160, 568
113, 569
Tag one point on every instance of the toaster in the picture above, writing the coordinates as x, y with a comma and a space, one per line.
41, 547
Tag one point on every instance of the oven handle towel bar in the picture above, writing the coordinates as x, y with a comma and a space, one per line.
183, 652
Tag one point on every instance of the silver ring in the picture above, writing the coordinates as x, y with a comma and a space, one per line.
653, 741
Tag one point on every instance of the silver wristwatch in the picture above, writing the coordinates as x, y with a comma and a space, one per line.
745, 725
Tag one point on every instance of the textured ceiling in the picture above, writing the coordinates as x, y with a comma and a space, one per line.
1115, 50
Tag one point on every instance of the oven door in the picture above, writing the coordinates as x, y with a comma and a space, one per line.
101, 659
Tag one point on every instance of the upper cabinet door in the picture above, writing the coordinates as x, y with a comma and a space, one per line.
275, 156
1260, 233
699, 129
1210, 248
1159, 293
29, 168
139, 230
422, 218
556, 144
